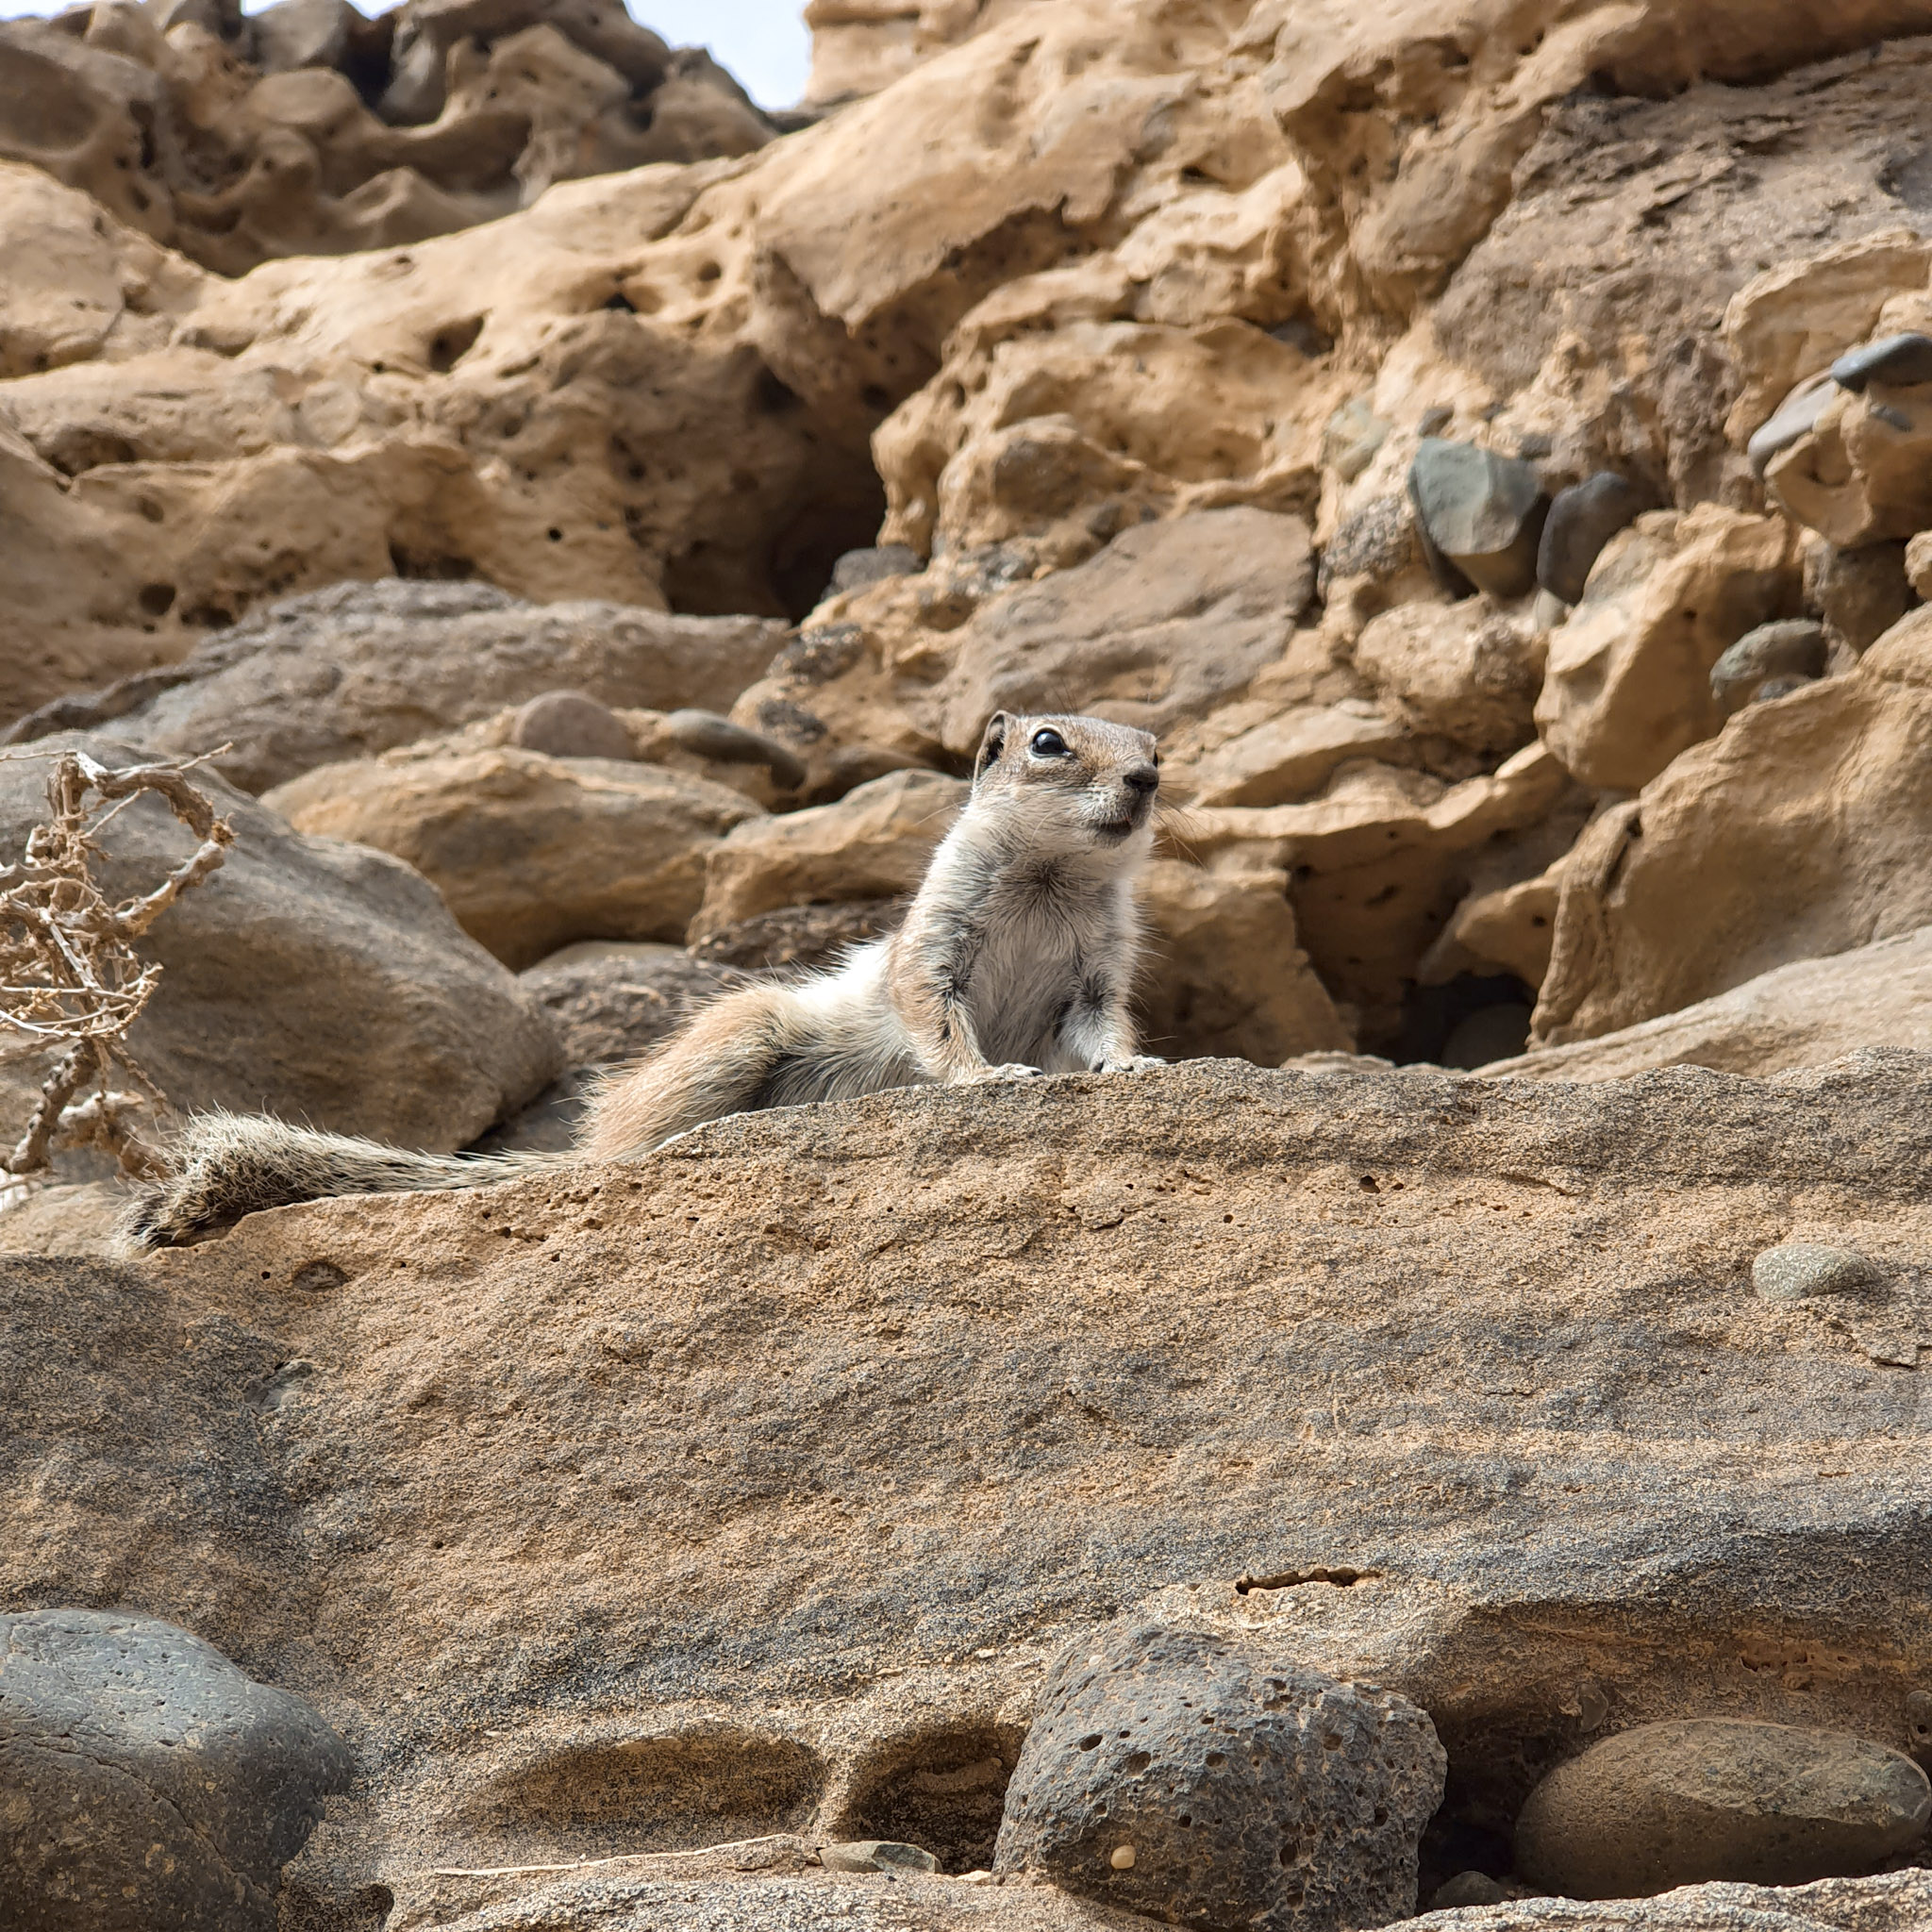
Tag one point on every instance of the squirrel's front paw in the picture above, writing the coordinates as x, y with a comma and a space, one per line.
1141, 1063
986, 1076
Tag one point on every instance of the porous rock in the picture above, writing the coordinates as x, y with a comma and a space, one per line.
1666, 1804
149, 1782
1483, 511
1838, 1905
1175, 1774
322, 981
531, 852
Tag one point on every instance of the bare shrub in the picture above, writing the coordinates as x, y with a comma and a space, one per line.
71, 981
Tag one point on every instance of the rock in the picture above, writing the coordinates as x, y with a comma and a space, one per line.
1628, 688
1289, 755
568, 725
1842, 1905
1793, 1270
313, 979
801, 935
706, 735
1665, 1805
1859, 477
1467, 1888
1226, 975
1815, 794
876, 1855
1791, 647
1582, 520
1806, 1015
148, 1781
1192, 1780
1892, 360
1377, 541
1456, 671
1796, 416
352, 671
1860, 593
1165, 621
610, 1000
858, 568
531, 852
1352, 437
1918, 563
875, 844
1484, 512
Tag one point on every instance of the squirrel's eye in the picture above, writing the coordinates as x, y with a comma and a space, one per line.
1049, 745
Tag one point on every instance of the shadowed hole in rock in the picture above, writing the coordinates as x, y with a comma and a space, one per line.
653, 1794
365, 1910
452, 342
1471, 1021
1341, 1577
942, 1790
408, 560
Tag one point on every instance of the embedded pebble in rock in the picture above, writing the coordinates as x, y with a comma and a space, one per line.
1701, 1799
1899, 360
1791, 647
1795, 417
1793, 1270
147, 1782
876, 1855
1484, 512
1376, 541
858, 568
1860, 593
568, 725
713, 737
1179, 1774
1582, 520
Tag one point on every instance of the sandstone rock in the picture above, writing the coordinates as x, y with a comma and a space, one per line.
149, 1782
1806, 1015
1484, 512
610, 1000
1166, 620
531, 852
1193, 1780
1627, 686
1859, 477
567, 724
1919, 562
1456, 671
1792, 647
1225, 976
363, 668
1245, 1397
1793, 1270
1860, 593
321, 981
1291, 755
1708, 1798
1582, 520
875, 844
1815, 794
1840, 1905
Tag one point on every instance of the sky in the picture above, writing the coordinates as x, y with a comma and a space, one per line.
762, 41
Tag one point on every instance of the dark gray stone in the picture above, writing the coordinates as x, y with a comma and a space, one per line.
1582, 520
1174, 1772
876, 1855
1483, 512
145, 1783
858, 568
1860, 593
1899, 360
1791, 647
1796, 416
709, 736
568, 725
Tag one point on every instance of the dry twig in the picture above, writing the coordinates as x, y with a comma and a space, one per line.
71, 980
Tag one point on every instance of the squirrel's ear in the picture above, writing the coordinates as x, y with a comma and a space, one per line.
992, 744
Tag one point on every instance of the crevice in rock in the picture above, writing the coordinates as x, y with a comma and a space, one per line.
942, 1789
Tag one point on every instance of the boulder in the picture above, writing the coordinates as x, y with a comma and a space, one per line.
531, 852
351, 672
875, 844
1484, 512
148, 1781
1859, 477
1198, 1781
1627, 686
1665, 1805
1456, 671
1817, 796
1805, 1014
610, 1000
321, 981
1288, 755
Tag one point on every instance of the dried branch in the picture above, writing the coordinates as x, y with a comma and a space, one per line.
71, 981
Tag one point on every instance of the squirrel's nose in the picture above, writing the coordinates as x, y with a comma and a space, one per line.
1142, 778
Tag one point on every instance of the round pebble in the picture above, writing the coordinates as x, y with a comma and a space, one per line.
568, 725
1796, 1270
1123, 1858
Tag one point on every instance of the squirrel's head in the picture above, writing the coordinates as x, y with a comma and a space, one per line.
1078, 783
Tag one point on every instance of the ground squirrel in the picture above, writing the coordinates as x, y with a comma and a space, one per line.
1016, 958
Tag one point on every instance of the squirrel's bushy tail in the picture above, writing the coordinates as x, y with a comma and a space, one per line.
225, 1165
